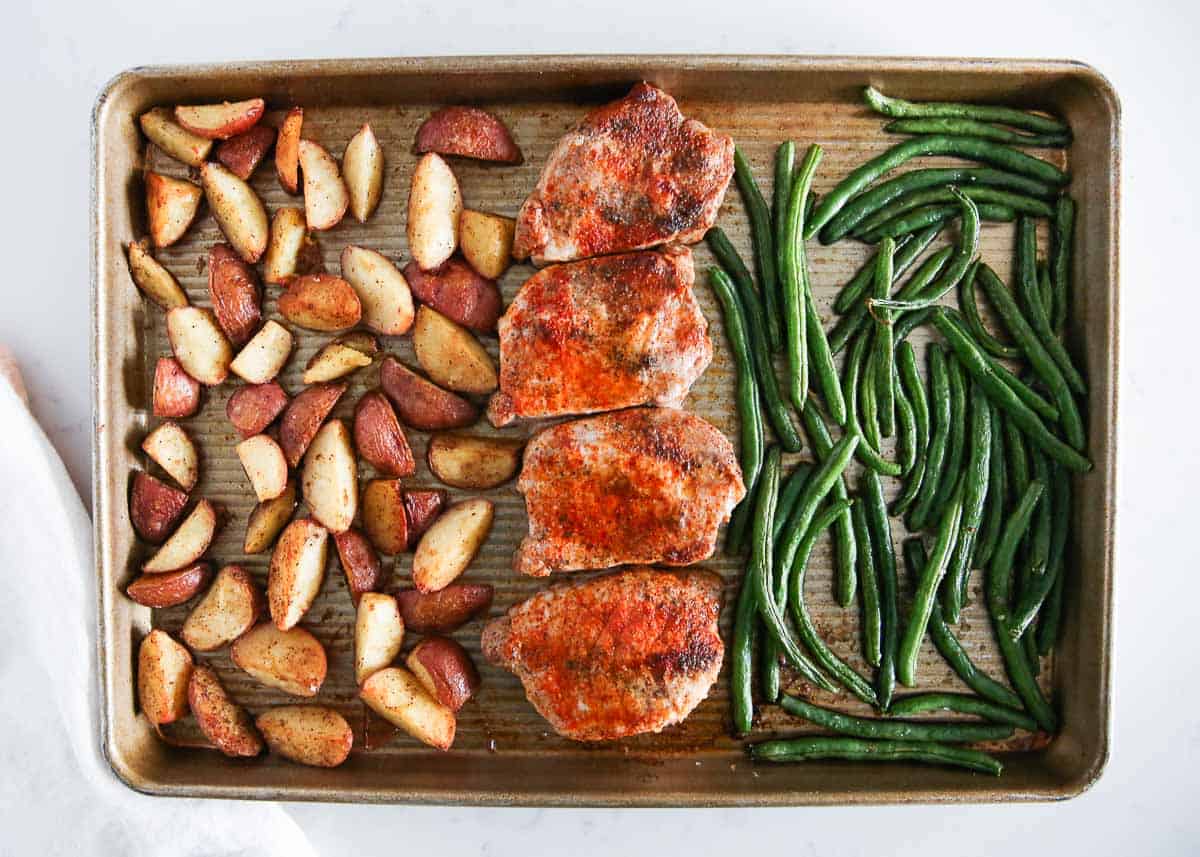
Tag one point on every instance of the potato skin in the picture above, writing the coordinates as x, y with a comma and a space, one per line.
458, 292
154, 507
378, 436
320, 302
171, 588
222, 721
304, 416
422, 404
360, 563
445, 670
253, 407
470, 133
233, 289
176, 393
444, 611
422, 509
243, 152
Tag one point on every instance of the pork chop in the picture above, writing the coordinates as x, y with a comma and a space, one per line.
601, 334
632, 174
629, 652
645, 485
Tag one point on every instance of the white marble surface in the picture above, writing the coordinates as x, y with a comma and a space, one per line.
57, 55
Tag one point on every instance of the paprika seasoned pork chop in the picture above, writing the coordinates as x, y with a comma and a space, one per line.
629, 652
632, 174
644, 485
601, 334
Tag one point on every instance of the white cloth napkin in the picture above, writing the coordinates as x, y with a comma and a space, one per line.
57, 794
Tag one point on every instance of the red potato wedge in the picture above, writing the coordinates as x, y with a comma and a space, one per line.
469, 133
237, 209
233, 289
334, 360
285, 245
445, 670
170, 588
265, 355
303, 418
164, 668
360, 563
422, 404
379, 438
176, 393
268, 519
387, 305
444, 611
293, 661
383, 516
297, 571
330, 477
325, 194
434, 208
230, 608
395, 694
360, 341
220, 121
478, 463
451, 355
266, 468
154, 507
458, 292
161, 129
171, 206
287, 150
362, 166
222, 720
154, 280
243, 153
320, 302
255, 406
486, 241
422, 509
171, 449
199, 345
450, 544
308, 734
188, 543
378, 634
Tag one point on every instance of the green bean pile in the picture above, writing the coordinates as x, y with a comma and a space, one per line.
983, 449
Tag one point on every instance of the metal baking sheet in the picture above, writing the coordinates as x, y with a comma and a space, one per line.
504, 752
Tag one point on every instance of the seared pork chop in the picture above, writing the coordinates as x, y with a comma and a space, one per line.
645, 485
629, 652
632, 174
601, 334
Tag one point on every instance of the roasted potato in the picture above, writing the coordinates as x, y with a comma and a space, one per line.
304, 416
434, 208
154, 507
444, 669
486, 241
233, 290
188, 543
220, 121
360, 563
268, 519
237, 209
422, 509
230, 608
477, 463
378, 634
444, 611
360, 341
333, 361
154, 280
160, 127
469, 133
422, 404
387, 305
451, 355
199, 345
395, 694
297, 571
265, 355
293, 661
362, 163
379, 438
458, 292
450, 544
266, 468
383, 516
325, 194
308, 734
255, 406
176, 393
164, 668
330, 478
171, 206
170, 588
287, 150
171, 449
222, 720
241, 154
286, 247
320, 302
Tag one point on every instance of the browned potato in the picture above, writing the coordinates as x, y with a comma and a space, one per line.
478, 463
486, 241
176, 393
171, 206
287, 150
199, 345
444, 669
229, 609
383, 516
233, 289
360, 562
421, 403
360, 341
159, 125
434, 208
255, 406
220, 121
241, 154
171, 449
268, 519
188, 543
222, 720
297, 571
396, 695
164, 668
451, 355
293, 661
362, 163
308, 734
448, 546
155, 281
378, 634
379, 438
325, 194
170, 588
320, 302
387, 305
444, 611
288, 238
422, 509
334, 361
237, 209
304, 416
470, 133
154, 507
458, 292
330, 478
265, 355
265, 466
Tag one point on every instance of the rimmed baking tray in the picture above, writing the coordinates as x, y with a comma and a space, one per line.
505, 753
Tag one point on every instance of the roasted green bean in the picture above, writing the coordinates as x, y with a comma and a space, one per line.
883, 359
1018, 202
820, 357
764, 242
974, 128
1060, 259
893, 730
741, 659
1034, 309
855, 319
956, 444
858, 749
935, 457
872, 618
906, 428
785, 157
932, 215
908, 248
885, 566
914, 389
794, 294
970, 312
963, 704
898, 108
867, 454
975, 488
844, 539
997, 496
789, 494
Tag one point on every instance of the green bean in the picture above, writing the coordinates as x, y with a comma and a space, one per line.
970, 313
898, 108
821, 653
885, 565
770, 672
851, 293
749, 413
906, 422
867, 454
1031, 398
973, 128
909, 322
844, 540
872, 200
868, 403
821, 357
974, 494
929, 215
963, 704
795, 326
1003, 395
764, 243
785, 157
776, 408
997, 496
914, 388
859, 750
741, 677
926, 593
872, 628
1018, 202
1045, 289
893, 730
956, 444
1049, 543
1062, 231
793, 487
1034, 311
883, 361
998, 585
935, 457
1047, 630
